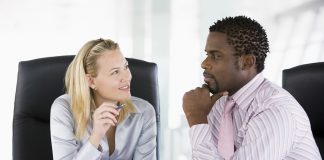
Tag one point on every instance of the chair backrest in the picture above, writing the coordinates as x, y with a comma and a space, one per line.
306, 84
40, 81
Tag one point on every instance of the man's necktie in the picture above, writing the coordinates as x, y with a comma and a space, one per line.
225, 137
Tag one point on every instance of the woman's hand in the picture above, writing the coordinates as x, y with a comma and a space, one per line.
103, 118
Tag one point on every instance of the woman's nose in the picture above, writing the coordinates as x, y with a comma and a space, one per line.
127, 76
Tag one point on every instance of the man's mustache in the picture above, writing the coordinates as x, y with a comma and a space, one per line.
207, 75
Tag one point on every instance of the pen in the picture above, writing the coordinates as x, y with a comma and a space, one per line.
120, 106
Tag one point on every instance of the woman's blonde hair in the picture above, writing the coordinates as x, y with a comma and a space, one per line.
82, 96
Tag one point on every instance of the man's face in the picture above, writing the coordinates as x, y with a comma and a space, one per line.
221, 68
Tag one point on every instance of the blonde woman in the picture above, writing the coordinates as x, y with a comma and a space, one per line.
98, 118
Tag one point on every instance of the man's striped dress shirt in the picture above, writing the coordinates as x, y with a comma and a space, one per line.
269, 124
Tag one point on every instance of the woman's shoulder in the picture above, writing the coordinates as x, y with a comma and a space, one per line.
61, 103
61, 112
142, 105
63, 100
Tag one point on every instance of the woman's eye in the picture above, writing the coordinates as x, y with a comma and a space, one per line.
115, 72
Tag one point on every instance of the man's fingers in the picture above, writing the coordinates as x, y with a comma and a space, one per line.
216, 96
205, 86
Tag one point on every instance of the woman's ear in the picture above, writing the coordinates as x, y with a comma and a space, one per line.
91, 82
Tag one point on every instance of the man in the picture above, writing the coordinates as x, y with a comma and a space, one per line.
247, 117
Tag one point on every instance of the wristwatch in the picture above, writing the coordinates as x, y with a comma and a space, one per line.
99, 148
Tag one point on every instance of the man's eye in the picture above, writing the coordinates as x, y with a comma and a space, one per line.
217, 56
209, 55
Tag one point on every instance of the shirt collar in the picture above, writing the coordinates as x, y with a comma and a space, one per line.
245, 95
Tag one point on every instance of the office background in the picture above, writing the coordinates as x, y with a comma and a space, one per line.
171, 33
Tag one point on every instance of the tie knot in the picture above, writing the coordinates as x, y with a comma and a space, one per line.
229, 105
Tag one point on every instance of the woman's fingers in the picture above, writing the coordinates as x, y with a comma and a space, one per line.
107, 122
103, 118
108, 115
107, 107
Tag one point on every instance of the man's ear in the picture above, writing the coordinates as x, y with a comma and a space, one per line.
90, 81
248, 61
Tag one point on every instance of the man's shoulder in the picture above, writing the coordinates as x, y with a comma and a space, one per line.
271, 91
270, 95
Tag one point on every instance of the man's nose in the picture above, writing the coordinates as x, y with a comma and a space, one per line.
205, 64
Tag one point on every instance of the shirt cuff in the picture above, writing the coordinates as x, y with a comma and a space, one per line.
88, 151
199, 134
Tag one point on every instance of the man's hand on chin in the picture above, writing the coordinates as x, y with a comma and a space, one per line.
197, 104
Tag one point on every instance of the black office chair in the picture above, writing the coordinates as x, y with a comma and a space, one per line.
306, 84
40, 81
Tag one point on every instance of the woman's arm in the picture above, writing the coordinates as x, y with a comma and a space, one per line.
64, 144
146, 145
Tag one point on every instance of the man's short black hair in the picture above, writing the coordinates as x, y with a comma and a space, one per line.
246, 36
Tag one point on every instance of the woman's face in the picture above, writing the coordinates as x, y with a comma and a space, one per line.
113, 78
